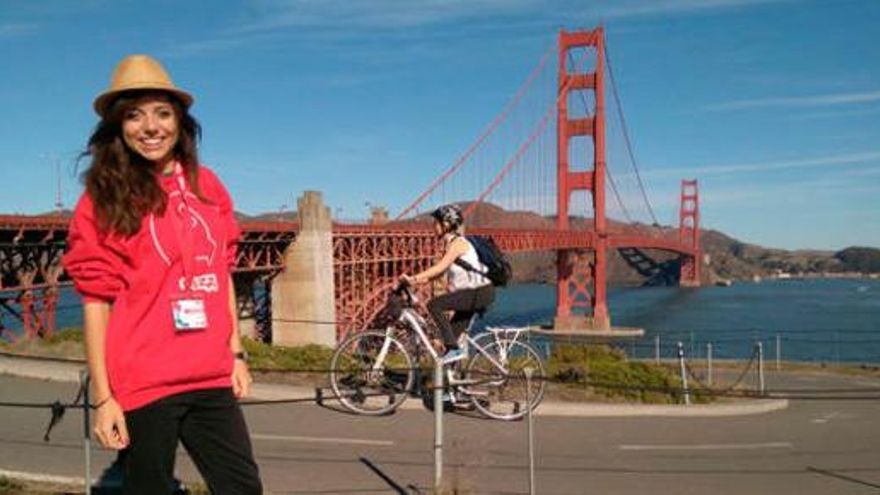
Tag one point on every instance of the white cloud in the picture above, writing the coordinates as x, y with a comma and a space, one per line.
351, 21
378, 14
667, 7
818, 161
350, 18
850, 112
17, 29
799, 101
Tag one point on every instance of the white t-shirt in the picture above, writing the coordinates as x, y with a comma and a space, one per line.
458, 278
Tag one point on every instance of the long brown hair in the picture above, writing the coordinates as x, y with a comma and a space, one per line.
122, 184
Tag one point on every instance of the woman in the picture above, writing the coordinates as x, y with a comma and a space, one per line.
468, 290
151, 244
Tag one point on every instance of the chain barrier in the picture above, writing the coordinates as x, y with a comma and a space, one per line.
729, 388
870, 393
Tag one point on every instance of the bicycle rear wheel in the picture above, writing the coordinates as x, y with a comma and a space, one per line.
371, 372
502, 393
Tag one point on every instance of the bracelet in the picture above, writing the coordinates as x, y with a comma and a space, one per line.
101, 403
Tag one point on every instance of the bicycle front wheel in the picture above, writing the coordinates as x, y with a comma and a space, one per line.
498, 373
371, 372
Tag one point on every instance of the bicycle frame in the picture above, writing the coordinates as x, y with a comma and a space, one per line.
413, 321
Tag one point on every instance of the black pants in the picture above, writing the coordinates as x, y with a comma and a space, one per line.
465, 303
212, 428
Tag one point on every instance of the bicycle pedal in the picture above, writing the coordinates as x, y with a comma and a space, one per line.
477, 393
464, 381
451, 377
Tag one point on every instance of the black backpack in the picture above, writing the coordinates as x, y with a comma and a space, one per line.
498, 269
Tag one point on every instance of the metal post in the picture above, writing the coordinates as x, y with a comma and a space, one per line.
528, 372
438, 425
684, 379
837, 348
761, 368
709, 362
657, 349
87, 431
778, 352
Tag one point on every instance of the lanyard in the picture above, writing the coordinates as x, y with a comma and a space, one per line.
182, 228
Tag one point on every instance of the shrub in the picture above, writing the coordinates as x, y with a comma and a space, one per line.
265, 357
596, 365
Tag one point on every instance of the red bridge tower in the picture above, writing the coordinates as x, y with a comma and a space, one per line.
689, 233
581, 274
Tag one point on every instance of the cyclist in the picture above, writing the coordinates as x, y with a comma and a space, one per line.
468, 290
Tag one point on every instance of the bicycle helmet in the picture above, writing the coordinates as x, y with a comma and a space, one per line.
449, 215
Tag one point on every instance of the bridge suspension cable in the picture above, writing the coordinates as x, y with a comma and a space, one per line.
608, 174
490, 129
626, 137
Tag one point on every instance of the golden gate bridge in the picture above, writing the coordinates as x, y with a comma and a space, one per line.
539, 181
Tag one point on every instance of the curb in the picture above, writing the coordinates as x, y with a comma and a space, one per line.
63, 370
45, 479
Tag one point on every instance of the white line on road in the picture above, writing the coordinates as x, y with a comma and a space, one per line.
294, 438
825, 418
711, 446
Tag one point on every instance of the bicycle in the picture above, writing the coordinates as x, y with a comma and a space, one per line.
373, 371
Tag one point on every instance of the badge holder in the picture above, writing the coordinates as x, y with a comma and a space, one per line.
187, 308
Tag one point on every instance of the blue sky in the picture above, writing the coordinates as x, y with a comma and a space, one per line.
774, 105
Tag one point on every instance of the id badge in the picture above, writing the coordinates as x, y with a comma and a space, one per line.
189, 314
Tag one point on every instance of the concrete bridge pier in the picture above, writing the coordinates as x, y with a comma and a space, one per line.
303, 302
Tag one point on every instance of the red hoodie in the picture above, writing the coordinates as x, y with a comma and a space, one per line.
147, 358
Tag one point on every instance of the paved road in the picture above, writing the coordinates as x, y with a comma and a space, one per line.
812, 447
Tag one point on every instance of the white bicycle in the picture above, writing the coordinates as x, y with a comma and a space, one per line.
374, 371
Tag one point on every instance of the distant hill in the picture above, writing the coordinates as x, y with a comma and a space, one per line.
728, 258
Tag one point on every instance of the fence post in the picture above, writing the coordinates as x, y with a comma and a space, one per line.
657, 349
84, 379
709, 362
438, 425
778, 352
528, 372
684, 379
761, 368
837, 347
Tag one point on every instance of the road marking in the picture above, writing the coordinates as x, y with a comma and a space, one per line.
333, 440
711, 446
824, 419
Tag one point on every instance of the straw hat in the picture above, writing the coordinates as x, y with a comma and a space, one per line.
138, 72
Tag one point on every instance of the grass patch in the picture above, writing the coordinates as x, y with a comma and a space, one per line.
64, 343
8, 486
265, 357
582, 369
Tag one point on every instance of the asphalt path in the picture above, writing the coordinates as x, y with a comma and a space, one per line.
811, 447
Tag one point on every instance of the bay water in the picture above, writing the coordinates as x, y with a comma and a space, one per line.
819, 320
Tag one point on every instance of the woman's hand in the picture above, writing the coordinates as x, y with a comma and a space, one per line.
110, 425
241, 379
407, 279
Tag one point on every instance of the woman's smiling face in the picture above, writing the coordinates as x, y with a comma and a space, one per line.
151, 128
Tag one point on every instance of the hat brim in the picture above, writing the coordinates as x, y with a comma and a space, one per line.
104, 100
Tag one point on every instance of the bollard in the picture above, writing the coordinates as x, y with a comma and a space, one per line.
761, 368
87, 431
709, 362
528, 372
778, 352
438, 425
684, 378
657, 349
